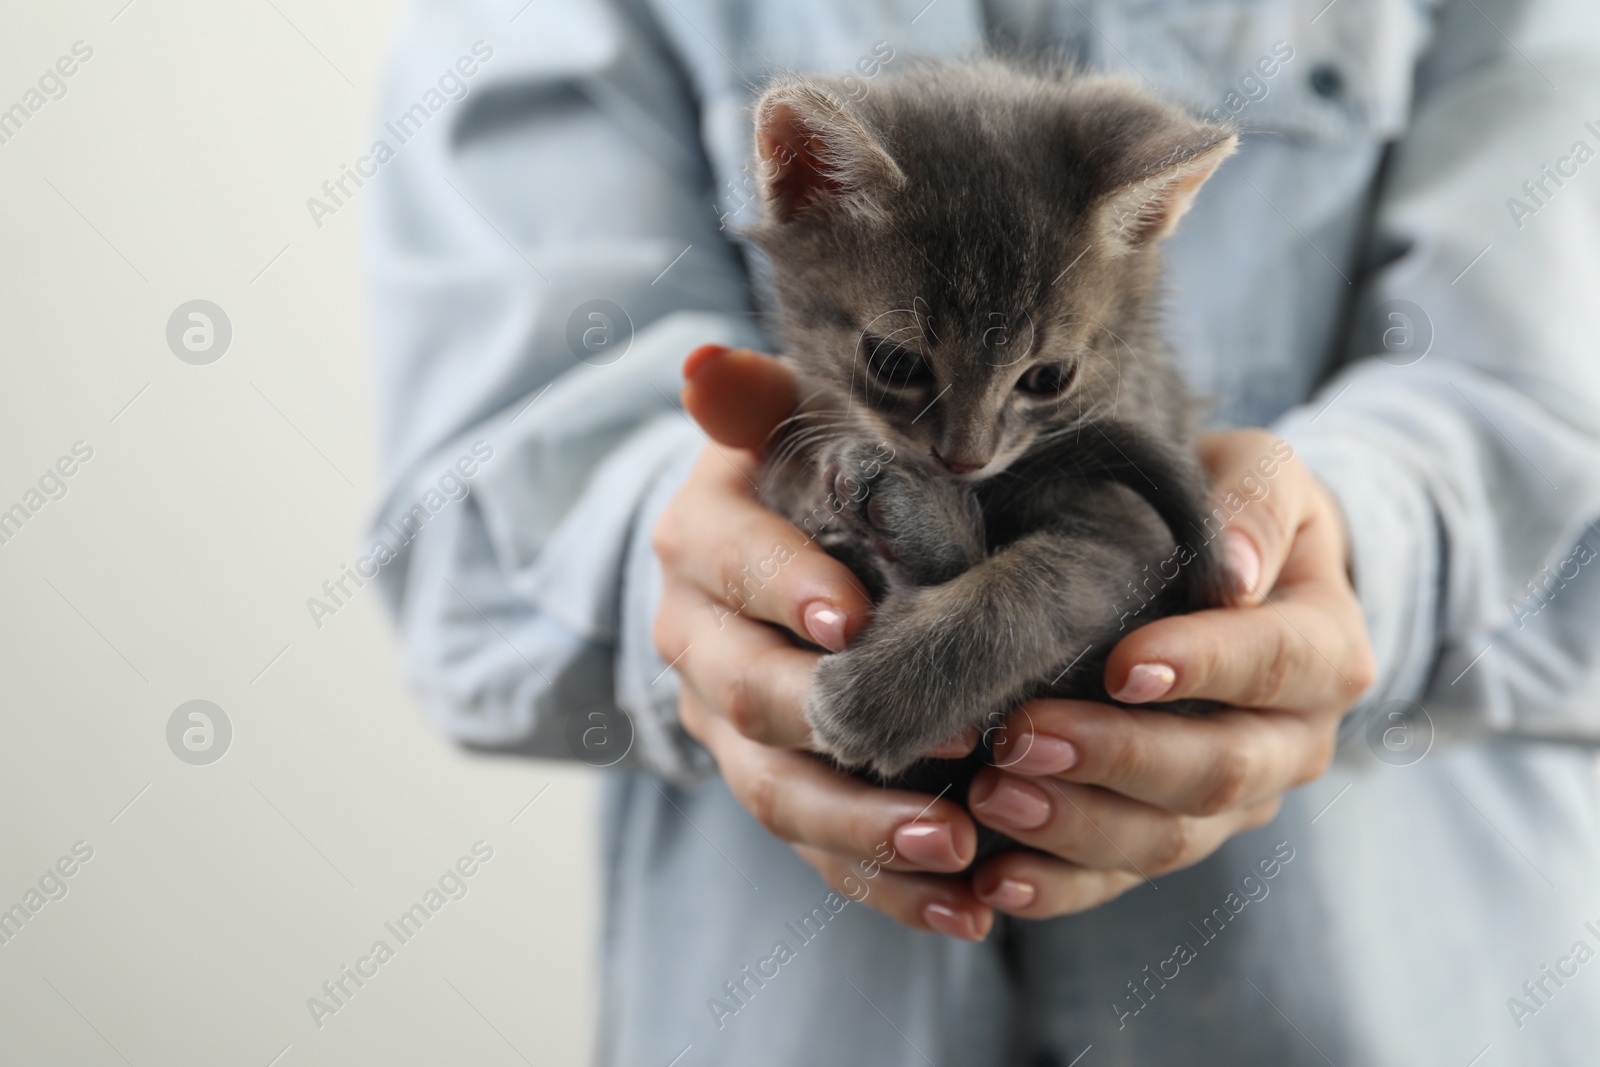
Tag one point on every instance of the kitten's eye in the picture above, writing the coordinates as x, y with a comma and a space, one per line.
1047, 379
896, 364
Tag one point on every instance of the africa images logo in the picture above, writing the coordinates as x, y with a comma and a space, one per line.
451, 86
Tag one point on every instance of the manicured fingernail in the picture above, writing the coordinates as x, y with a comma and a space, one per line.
825, 624
1243, 559
928, 844
699, 357
1147, 681
955, 748
1011, 895
1010, 802
946, 920
1037, 754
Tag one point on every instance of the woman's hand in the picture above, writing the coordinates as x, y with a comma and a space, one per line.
1112, 796
1116, 796
733, 571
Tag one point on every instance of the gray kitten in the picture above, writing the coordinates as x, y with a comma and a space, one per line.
965, 264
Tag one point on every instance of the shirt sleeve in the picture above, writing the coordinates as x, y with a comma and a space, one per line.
1463, 441
543, 251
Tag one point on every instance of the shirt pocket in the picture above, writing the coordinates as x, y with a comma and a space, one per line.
1304, 69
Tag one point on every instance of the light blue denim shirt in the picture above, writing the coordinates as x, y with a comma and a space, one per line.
1398, 272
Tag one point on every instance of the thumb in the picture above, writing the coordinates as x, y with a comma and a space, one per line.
736, 395
1263, 492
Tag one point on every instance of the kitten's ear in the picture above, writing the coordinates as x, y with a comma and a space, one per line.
1160, 186
812, 154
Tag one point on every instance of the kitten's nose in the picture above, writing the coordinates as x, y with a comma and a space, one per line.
956, 466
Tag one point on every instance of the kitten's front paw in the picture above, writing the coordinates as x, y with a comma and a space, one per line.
927, 527
868, 709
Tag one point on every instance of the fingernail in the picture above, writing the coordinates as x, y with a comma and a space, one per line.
1011, 895
825, 624
1011, 803
928, 844
1147, 681
946, 920
1243, 560
957, 747
952, 749
699, 357
1041, 754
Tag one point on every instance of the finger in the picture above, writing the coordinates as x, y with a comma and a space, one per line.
1263, 490
756, 563
1192, 765
937, 905
738, 396
799, 799
1093, 827
1035, 886
1305, 651
745, 671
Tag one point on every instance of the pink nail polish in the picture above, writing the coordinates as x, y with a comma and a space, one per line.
1013, 803
1146, 682
825, 625
1243, 560
1039, 754
946, 920
955, 748
928, 844
1011, 895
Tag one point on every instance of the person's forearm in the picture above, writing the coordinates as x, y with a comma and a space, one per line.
537, 284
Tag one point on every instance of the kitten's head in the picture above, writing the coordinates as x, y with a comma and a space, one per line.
965, 259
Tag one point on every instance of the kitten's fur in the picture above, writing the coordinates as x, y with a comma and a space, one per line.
988, 220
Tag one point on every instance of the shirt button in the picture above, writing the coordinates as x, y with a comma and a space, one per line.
1326, 81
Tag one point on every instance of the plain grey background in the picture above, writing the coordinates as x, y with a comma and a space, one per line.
177, 566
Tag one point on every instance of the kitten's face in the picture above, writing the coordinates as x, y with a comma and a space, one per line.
963, 368
964, 268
